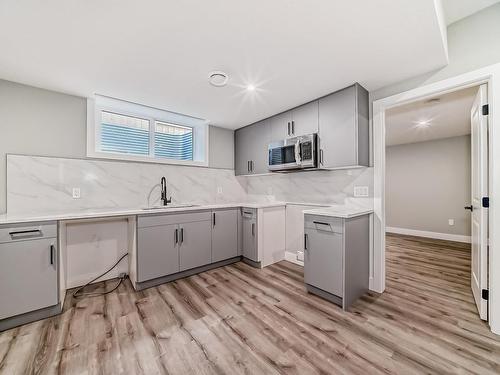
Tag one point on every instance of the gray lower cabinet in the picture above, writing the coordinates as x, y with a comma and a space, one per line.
158, 251
336, 257
28, 269
249, 232
195, 247
343, 128
224, 234
171, 243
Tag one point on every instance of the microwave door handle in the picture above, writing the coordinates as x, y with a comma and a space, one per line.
297, 153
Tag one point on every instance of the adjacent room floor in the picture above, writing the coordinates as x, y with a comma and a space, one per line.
238, 319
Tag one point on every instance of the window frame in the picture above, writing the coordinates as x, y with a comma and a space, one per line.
96, 105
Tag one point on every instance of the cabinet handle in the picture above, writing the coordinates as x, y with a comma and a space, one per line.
251, 165
176, 236
214, 219
321, 156
52, 254
248, 165
322, 223
305, 241
182, 235
253, 229
25, 233
293, 127
288, 131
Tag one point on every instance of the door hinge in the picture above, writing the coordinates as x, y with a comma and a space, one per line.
486, 202
486, 110
485, 294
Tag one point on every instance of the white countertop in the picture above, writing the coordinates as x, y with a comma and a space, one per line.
101, 213
343, 211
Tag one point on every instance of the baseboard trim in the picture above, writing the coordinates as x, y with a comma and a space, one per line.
292, 257
428, 234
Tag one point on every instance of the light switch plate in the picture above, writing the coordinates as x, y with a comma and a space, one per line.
451, 222
360, 191
219, 189
76, 193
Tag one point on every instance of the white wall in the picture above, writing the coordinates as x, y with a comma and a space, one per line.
472, 44
428, 183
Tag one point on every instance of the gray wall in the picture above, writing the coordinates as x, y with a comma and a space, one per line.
428, 183
472, 44
35, 121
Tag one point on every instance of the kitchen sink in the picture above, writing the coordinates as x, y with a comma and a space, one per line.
170, 206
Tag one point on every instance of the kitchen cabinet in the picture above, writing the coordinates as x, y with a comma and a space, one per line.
298, 121
251, 144
158, 252
343, 128
336, 257
249, 232
305, 119
224, 234
28, 269
195, 248
171, 243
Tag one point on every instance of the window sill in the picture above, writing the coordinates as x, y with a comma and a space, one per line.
144, 159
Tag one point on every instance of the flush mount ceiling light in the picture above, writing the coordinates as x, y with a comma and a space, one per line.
218, 78
251, 88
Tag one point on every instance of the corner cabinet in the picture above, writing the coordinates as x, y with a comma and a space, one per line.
251, 144
224, 234
343, 128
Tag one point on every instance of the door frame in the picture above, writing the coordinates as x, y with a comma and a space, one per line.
491, 76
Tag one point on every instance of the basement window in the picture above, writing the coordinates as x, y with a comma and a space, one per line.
128, 131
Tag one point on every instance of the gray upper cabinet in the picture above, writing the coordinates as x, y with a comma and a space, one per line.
158, 253
251, 148
304, 119
280, 126
195, 248
224, 234
28, 268
343, 128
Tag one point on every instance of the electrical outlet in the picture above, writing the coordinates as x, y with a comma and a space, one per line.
219, 189
76, 193
451, 222
360, 191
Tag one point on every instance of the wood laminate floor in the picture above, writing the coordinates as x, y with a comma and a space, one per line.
240, 320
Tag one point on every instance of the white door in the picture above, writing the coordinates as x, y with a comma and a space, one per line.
479, 189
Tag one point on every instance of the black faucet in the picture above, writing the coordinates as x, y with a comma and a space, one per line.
164, 198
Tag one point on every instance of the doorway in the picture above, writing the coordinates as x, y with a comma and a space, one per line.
435, 180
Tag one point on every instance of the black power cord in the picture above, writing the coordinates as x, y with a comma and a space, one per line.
77, 293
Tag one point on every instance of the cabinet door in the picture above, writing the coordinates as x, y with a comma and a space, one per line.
338, 128
260, 138
280, 126
242, 150
323, 267
28, 272
195, 248
250, 239
157, 252
305, 119
224, 234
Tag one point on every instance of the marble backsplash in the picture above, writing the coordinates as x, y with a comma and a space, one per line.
45, 184
38, 184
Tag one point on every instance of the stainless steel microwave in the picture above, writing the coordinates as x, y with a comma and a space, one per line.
293, 153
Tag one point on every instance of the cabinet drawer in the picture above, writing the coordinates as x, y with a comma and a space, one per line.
173, 218
27, 231
324, 223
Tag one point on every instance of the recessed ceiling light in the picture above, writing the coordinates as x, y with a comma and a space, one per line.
251, 88
423, 123
218, 78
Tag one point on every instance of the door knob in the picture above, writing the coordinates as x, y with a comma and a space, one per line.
471, 207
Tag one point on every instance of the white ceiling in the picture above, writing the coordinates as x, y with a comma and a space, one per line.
455, 10
450, 117
159, 52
